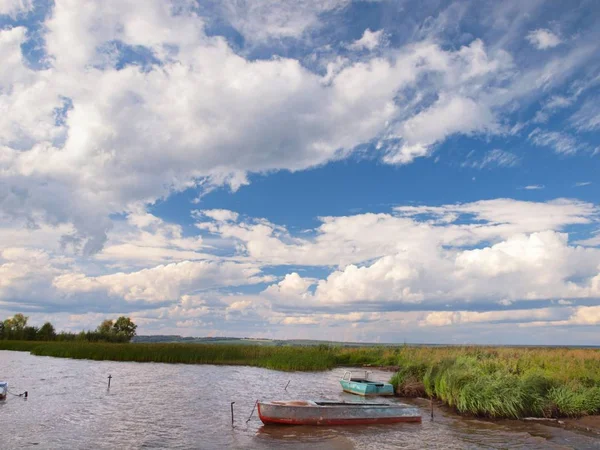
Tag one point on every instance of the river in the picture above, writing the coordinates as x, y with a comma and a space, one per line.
176, 406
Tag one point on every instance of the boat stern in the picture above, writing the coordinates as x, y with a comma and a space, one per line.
354, 388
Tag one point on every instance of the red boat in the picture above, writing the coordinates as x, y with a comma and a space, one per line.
308, 412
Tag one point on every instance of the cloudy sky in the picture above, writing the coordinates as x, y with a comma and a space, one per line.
389, 171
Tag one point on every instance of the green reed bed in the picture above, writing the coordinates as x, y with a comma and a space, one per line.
504, 382
288, 358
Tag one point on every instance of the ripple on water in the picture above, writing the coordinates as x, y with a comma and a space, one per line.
185, 406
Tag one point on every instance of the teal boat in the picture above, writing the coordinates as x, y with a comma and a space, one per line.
364, 386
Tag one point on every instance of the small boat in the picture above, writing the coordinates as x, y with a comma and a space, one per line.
364, 386
308, 412
3, 390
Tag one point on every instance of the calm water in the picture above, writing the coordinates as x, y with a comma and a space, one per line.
188, 407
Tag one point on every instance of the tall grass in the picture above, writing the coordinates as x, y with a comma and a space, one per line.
290, 358
504, 382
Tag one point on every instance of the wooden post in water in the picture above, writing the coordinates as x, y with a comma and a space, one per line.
109, 378
232, 403
431, 408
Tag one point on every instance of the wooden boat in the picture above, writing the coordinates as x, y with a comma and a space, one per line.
3, 390
308, 412
364, 386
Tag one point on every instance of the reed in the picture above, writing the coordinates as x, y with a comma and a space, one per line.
289, 358
505, 382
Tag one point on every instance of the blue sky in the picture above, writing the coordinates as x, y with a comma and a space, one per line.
389, 171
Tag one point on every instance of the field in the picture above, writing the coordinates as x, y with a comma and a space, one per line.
496, 382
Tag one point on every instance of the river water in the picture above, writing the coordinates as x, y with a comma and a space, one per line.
188, 407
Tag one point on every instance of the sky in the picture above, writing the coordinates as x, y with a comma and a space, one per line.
375, 171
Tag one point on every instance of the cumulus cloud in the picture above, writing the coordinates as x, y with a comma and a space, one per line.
161, 283
369, 40
535, 267
446, 318
14, 7
189, 111
276, 19
581, 315
218, 215
418, 255
128, 105
543, 39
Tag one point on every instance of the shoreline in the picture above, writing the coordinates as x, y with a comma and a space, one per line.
495, 383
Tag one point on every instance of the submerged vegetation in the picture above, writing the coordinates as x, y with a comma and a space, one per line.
497, 382
504, 382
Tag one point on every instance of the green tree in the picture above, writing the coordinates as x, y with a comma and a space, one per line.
30, 333
106, 327
1, 330
123, 326
19, 321
47, 332
13, 327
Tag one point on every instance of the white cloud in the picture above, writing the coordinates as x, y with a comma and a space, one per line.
146, 140
145, 239
561, 142
292, 288
14, 7
535, 267
581, 315
543, 39
161, 283
369, 40
494, 158
446, 318
219, 215
197, 111
449, 115
275, 19
534, 187
588, 117
355, 239
592, 241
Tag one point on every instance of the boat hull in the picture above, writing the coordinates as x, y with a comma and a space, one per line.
311, 413
367, 388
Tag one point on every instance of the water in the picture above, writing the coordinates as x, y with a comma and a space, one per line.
188, 407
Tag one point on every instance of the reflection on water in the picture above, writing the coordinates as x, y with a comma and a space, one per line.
186, 407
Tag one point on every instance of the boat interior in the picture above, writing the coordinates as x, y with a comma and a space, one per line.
328, 403
362, 380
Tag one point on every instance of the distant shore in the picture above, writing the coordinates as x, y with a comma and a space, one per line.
492, 382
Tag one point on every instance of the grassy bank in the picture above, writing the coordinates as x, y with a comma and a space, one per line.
280, 358
504, 382
500, 382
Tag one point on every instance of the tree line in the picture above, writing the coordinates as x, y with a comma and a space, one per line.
16, 328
